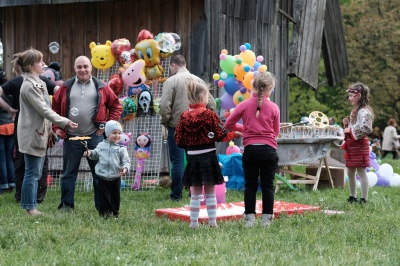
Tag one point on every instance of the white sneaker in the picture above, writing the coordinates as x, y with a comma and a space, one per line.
250, 220
267, 219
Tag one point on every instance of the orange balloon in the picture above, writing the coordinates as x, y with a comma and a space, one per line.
247, 80
248, 57
240, 97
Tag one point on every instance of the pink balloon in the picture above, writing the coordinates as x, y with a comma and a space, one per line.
61, 142
232, 149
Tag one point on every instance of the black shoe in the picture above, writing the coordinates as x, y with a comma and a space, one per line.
363, 201
352, 199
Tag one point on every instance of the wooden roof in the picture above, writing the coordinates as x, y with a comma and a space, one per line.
5, 3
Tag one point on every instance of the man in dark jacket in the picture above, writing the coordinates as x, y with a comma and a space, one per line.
91, 103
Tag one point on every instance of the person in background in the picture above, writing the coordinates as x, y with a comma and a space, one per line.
34, 126
91, 103
12, 89
193, 134
261, 121
390, 142
114, 162
356, 145
376, 148
7, 180
333, 123
173, 103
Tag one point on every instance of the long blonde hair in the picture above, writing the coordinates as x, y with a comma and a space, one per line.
22, 61
196, 91
261, 81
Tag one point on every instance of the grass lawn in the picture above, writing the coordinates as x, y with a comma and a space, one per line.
365, 235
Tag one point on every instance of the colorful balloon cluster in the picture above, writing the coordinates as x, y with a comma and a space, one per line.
139, 66
237, 76
380, 175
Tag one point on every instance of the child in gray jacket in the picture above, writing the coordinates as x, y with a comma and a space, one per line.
114, 162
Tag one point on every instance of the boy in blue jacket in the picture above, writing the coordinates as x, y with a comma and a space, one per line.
114, 162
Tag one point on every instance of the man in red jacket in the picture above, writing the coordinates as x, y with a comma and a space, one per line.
91, 103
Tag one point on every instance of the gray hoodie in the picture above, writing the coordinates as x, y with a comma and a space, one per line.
112, 159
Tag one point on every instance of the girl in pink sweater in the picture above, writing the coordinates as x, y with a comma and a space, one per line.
261, 119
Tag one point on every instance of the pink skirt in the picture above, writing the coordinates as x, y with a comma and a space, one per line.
357, 152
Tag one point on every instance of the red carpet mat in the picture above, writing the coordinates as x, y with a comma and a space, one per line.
235, 210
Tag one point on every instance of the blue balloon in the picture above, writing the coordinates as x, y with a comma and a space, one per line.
232, 85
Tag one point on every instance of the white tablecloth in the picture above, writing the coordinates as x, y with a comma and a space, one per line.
305, 150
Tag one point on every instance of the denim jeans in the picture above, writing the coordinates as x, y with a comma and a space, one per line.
259, 162
7, 178
176, 156
33, 172
72, 154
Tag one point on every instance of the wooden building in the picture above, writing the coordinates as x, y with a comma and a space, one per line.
290, 34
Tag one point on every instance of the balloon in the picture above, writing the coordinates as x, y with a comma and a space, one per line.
256, 65
168, 42
394, 180
240, 97
382, 182
240, 71
144, 35
228, 64
125, 139
128, 108
232, 148
374, 163
134, 77
127, 57
227, 101
247, 81
61, 143
373, 179
386, 170
232, 85
248, 57
120, 45
102, 57
148, 51
116, 83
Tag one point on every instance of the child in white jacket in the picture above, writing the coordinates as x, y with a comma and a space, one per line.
114, 162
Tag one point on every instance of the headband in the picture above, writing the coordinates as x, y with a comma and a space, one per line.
355, 90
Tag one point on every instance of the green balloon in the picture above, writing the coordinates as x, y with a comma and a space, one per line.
228, 64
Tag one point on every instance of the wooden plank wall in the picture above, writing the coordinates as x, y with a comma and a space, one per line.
205, 26
308, 49
235, 22
334, 45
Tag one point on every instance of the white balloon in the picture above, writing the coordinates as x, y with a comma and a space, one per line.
386, 170
358, 184
373, 178
394, 180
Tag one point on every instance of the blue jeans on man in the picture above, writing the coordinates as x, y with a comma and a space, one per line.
33, 172
72, 153
176, 156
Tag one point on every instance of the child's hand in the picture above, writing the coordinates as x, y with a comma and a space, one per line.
238, 134
346, 122
123, 172
86, 153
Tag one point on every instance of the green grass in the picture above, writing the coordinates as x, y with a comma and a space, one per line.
366, 235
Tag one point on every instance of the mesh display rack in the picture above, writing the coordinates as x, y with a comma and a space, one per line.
147, 123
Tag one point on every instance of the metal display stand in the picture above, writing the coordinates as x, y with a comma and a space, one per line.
147, 123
